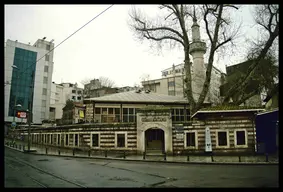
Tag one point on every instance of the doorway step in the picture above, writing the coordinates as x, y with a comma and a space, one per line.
154, 152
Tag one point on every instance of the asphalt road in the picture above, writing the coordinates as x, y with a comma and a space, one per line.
27, 170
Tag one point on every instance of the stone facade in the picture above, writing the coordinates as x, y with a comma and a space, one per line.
175, 134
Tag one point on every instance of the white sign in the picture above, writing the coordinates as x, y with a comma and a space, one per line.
208, 147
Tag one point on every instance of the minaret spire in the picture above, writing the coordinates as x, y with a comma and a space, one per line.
194, 18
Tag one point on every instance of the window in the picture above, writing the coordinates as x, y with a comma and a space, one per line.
73, 91
45, 79
44, 138
47, 47
190, 139
95, 140
120, 140
46, 57
44, 91
97, 110
222, 138
51, 139
240, 137
79, 92
58, 139
76, 139
79, 98
45, 68
67, 140
110, 111
42, 115
43, 103
74, 97
171, 83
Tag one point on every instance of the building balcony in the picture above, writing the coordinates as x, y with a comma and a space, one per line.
197, 46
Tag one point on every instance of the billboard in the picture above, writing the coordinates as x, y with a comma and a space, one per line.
22, 114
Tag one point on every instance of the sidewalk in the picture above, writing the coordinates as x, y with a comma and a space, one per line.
233, 160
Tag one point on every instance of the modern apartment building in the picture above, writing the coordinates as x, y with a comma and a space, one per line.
60, 93
28, 75
172, 83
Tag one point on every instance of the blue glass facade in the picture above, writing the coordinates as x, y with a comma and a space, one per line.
25, 61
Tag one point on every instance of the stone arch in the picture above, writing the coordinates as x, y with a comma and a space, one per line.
153, 125
148, 125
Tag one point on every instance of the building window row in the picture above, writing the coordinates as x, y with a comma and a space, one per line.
78, 92
222, 138
72, 140
108, 115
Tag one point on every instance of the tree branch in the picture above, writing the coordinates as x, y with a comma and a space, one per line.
251, 70
161, 28
206, 24
246, 97
224, 42
229, 5
168, 7
148, 36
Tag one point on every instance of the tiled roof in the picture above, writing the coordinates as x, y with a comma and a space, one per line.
142, 97
228, 109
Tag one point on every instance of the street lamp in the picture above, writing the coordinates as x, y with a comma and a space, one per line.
16, 90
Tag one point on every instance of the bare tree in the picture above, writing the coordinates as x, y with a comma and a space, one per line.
106, 82
85, 81
172, 30
266, 17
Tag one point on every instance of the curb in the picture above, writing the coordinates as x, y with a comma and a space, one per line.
154, 161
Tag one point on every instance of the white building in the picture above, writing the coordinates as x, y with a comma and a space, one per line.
60, 93
32, 66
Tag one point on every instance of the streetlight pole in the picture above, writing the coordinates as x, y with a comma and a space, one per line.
30, 111
16, 90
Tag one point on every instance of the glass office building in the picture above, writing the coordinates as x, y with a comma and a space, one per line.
22, 79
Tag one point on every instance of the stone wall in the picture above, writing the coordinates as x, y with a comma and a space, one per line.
174, 134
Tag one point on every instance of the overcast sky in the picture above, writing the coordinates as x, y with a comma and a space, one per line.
106, 46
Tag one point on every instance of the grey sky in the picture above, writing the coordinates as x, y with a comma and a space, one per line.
105, 47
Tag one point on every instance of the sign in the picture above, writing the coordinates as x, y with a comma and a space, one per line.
22, 114
82, 114
153, 119
208, 146
14, 124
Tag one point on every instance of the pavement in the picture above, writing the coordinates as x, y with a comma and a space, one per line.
43, 171
233, 160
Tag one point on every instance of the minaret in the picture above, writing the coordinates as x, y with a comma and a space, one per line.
197, 50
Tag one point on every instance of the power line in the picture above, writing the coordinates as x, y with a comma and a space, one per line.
70, 35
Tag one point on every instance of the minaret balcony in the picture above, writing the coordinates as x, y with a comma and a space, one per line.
197, 46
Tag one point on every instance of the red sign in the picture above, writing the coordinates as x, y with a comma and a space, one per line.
21, 114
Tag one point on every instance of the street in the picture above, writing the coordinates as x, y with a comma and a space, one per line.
27, 170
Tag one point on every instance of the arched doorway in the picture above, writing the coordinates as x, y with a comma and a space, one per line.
154, 140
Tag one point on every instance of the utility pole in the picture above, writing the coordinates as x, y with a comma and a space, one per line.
30, 110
